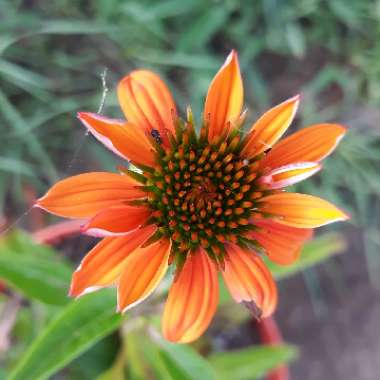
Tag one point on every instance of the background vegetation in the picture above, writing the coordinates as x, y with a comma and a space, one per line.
52, 58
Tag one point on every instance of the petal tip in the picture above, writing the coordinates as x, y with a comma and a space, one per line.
233, 55
84, 227
81, 115
73, 292
37, 203
342, 132
297, 97
296, 101
345, 216
85, 117
253, 308
341, 216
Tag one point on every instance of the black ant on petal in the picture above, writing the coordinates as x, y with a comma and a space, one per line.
156, 135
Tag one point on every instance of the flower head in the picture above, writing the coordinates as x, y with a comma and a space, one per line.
202, 202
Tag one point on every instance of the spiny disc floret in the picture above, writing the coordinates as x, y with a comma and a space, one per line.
203, 194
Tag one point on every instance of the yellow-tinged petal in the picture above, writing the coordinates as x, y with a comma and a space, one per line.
147, 102
282, 243
288, 175
143, 271
301, 210
270, 127
310, 144
192, 299
249, 281
124, 139
103, 265
84, 195
224, 99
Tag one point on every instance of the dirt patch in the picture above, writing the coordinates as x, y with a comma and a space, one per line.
341, 341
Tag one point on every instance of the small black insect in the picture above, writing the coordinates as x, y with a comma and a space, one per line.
156, 135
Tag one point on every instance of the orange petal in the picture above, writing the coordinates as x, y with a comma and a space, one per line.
117, 220
103, 265
124, 139
224, 99
84, 195
281, 243
270, 127
147, 102
288, 175
310, 144
301, 210
249, 281
143, 271
192, 299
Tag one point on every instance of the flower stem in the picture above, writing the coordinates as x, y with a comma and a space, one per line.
270, 334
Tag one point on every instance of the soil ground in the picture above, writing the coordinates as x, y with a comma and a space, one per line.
342, 342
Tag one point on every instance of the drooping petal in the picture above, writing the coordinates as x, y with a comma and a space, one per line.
224, 99
301, 210
288, 175
281, 243
124, 139
270, 127
147, 102
84, 195
249, 281
310, 144
143, 271
192, 299
103, 265
117, 220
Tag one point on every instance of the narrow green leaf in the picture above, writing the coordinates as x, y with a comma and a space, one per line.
178, 59
250, 363
188, 360
12, 165
17, 74
18, 123
34, 270
73, 27
82, 323
202, 29
137, 368
296, 39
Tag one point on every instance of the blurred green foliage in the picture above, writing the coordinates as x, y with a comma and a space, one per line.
53, 331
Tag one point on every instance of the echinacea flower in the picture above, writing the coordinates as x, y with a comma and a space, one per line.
206, 202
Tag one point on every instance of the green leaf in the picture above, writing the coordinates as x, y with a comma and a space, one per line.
17, 122
13, 165
296, 40
137, 369
80, 325
188, 361
34, 270
202, 29
15, 73
178, 59
250, 363
73, 27
159, 10
314, 252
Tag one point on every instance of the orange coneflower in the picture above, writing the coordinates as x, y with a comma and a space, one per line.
206, 202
